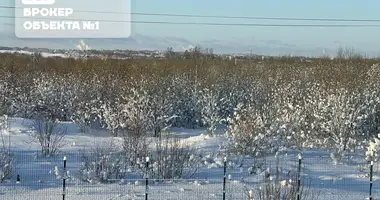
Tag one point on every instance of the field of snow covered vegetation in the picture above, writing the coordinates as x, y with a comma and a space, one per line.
179, 124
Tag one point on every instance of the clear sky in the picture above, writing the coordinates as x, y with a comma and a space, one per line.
362, 38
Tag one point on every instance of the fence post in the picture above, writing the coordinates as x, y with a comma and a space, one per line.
370, 181
250, 195
64, 178
299, 176
146, 178
18, 180
229, 184
224, 178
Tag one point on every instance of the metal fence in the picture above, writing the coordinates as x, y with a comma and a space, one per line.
37, 177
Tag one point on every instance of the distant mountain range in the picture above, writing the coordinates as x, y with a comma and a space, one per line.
143, 42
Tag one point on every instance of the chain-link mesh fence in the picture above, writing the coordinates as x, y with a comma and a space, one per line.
268, 177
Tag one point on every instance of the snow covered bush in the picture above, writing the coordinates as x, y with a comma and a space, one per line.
50, 103
280, 184
254, 133
161, 103
187, 102
135, 122
136, 114
50, 135
372, 91
172, 159
111, 116
102, 164
86, 103
238, 91
283, 190
211, 108
51, 98
6, 164
372, 149
293, 113
343, 114
4, 97
4, 128
135, 149
6, 159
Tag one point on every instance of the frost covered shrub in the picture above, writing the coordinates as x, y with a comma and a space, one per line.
129, 113
372, 149
102, 164
276, 116
4, 128
4, 97
302, 114
280, 184
51, 98
50, 102
50, 135
161, 103
86, 103
135, 120
111, 116
6, 159
253, 133
187, 102
293, 118
373, 98
211, 104
136, 113
172, 160
135, 149
282, 190
309, 117
6, 165
343, 114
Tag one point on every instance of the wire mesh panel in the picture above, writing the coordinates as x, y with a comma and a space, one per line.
186, 189
346, 178
375, 178
34, 176
102, 191
82, 184
262, 177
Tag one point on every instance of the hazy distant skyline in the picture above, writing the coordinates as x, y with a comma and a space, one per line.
365, 39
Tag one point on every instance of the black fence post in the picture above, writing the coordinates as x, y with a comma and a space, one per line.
146, 178
370, 181
224, 178
64, 178
299, 176
18, 180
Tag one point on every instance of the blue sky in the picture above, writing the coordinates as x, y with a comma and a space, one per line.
365, 39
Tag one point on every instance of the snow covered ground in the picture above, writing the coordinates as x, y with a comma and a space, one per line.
38, 175
43, 54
